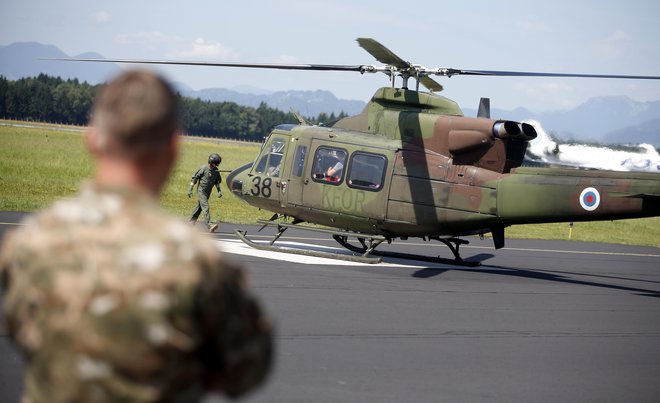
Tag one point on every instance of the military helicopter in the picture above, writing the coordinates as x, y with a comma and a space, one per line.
412, 165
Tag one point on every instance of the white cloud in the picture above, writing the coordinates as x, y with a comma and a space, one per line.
203, 49
287, 59
153, 43
146, 38
161, 44
613, 46
101, 17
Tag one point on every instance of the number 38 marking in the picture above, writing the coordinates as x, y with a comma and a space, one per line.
262, 188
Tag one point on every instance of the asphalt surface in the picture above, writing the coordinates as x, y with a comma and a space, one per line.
538, 321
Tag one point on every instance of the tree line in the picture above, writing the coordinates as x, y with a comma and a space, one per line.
53, 99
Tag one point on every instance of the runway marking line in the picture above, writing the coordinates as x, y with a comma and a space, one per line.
238, 247
11, 223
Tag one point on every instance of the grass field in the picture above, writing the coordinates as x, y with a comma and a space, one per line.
42, 163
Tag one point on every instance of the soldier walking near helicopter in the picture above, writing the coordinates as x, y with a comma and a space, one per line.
207, 176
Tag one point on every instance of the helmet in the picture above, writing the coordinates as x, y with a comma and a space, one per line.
215, 159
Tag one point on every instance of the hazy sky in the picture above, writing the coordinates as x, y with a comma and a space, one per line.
608, 37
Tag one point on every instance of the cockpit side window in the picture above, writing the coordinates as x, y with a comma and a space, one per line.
329, 164
270, 163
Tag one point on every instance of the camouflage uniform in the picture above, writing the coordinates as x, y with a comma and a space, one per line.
207, 176
111, 300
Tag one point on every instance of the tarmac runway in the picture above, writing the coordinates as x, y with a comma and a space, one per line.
542, 321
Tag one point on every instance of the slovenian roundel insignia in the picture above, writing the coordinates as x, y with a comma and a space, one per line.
589, 199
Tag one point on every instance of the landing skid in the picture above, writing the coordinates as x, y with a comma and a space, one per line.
364, 252
452, 243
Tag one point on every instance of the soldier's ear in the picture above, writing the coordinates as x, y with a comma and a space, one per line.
93, 140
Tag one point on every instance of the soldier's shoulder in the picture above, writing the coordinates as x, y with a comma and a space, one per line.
47, 218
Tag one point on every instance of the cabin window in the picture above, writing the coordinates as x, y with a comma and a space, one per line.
329, 164
299, 161
270, 163
367, 171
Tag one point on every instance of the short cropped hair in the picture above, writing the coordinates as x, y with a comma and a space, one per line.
135, 115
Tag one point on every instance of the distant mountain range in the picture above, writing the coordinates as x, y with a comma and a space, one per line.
24, 59
603, 119
308, 103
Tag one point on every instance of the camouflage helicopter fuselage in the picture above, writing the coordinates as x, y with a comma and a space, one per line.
413, 165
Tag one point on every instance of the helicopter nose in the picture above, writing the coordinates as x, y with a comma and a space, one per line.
235, 179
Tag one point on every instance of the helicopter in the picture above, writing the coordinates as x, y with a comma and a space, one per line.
411, 165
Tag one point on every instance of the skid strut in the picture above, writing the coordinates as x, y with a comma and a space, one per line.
452, 243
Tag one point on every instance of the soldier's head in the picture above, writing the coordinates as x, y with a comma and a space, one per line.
134, 128
135, 116
215, 159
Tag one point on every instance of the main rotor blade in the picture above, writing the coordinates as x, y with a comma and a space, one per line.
321, 67
381, 53
430, 83
455, 72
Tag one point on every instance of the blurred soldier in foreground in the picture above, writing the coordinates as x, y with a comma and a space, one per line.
110, 299
207, 176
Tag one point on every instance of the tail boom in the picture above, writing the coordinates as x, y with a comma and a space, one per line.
559, 195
